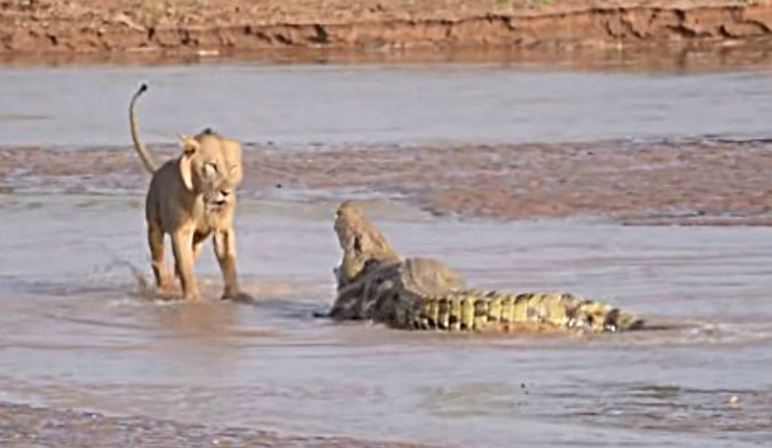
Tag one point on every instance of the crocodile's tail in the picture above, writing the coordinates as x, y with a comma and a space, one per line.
492, 311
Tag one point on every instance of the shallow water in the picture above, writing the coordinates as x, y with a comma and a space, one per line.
348, 104
78, 330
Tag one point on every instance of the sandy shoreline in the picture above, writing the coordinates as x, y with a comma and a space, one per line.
218, 26
672, 181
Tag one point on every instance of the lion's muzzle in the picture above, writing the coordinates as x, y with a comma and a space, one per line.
217, 200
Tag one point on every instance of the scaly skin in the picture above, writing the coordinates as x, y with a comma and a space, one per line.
419, 293
475, 310
412, 295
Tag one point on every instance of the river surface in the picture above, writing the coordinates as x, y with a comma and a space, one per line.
344, 104
78, 330
81, 329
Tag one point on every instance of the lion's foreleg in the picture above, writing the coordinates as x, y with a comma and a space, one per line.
182, 243
225, 251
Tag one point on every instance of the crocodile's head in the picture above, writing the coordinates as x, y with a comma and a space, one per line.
348, 218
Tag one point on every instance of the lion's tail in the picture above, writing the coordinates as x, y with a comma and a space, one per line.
147, 160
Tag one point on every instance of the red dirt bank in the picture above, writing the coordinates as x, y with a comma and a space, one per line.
218, 26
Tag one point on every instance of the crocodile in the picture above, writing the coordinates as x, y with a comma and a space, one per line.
425, 294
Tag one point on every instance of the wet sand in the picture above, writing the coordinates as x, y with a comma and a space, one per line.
24, 426
674, 181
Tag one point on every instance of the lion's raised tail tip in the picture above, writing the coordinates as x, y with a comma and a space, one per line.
142, 88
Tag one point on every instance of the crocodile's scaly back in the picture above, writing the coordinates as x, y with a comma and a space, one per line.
476, 310
426, 276
425, 294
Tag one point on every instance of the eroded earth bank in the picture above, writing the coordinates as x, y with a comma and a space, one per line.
220, 26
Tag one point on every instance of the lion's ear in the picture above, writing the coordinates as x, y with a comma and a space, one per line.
189, 148
186, 171
189, 145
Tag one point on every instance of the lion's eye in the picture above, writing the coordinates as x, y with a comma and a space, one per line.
210, 168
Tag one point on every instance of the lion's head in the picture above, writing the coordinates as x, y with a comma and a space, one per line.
211, 166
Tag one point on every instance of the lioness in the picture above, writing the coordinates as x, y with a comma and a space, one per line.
190, 198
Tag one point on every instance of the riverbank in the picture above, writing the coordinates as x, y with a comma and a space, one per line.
216, 27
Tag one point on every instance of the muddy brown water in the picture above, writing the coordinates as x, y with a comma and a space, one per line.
79, 328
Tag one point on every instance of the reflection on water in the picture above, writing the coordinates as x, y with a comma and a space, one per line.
78, 331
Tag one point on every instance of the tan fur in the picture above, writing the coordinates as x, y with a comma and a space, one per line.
191, 198
364, 246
